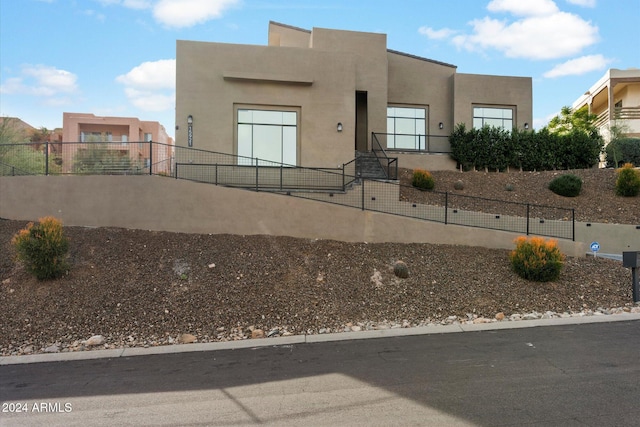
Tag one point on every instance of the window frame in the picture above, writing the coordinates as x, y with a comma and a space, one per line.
421, 144
266, 162
484, 118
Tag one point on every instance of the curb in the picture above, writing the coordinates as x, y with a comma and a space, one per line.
309, 339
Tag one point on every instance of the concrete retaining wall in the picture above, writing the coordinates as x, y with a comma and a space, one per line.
166, 204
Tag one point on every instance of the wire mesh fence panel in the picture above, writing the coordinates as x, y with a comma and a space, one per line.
341, 186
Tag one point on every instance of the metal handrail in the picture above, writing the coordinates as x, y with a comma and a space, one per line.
389, 165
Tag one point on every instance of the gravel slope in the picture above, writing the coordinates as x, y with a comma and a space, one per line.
141, 288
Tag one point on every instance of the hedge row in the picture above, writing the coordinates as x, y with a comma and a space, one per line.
496, 149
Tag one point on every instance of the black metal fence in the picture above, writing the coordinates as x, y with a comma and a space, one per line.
339, 186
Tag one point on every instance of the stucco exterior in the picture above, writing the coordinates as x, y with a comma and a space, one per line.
615, 99
340, 84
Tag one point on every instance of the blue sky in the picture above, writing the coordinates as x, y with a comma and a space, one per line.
117, 57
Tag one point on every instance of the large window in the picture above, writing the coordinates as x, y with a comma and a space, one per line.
406, 128
267, 135
492, 116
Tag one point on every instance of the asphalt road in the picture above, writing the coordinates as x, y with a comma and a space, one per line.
570, 375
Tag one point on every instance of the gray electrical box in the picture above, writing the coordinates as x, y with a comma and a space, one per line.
631, 259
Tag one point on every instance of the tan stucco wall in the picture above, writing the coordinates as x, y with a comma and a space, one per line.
430, 162
213, 78
418, 82
157, 203
478, 89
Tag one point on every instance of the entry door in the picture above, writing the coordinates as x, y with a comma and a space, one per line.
362, 127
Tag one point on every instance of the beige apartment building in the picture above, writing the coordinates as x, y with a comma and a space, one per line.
615, 99
315, 98
127, 136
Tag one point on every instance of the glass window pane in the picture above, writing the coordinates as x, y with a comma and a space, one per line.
420, 113
406, 126
244, 141
507, 124
420, 127
477, 123
245, 116
507, 113
289, 118
391, 112
478, 112
267, 142
494, 113
406, 141
493, 122
390, 125
289, 136
267, 117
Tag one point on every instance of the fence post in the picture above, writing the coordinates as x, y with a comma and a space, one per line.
573, 225
363, 180
216, 174
176, 165
280, 176
528, 219
150, 158
257, 174
46, 157
446, 207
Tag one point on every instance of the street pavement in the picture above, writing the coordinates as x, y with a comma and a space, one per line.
558, 374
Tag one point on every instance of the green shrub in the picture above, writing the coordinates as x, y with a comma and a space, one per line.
422, 179
623, 150
537, 260
628, 181
458, 185
566, 185
42, 248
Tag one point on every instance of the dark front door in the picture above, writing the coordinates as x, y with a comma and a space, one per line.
362, 127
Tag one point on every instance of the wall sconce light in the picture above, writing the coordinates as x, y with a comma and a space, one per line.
339, 127
526, 126
190, 130
440, 125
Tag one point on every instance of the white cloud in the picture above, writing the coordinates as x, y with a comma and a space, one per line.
130, 4
436, 34
578, 66
524, 8
540, 32
151, 85
584, 3
41, 80
187, 13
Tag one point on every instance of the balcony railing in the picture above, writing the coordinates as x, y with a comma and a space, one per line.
619, 113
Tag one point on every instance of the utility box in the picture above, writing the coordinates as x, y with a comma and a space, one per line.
631, 259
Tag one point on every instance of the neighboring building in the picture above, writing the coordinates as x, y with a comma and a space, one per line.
615, 99
20, 130
130, 135
314, 98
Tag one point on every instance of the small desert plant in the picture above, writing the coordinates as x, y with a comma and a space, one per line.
458, 185
628, 181
537, 259
422, 179
401, 270
566, 185
508, 187
42, 248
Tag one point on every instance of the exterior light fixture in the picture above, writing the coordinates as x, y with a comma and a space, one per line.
526, 126
339, 127
441, 125
190, 130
